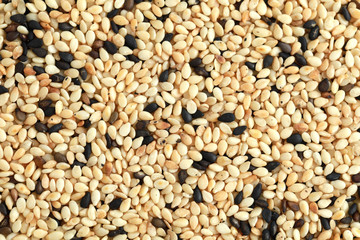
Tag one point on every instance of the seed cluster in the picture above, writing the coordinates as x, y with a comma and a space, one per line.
170, 119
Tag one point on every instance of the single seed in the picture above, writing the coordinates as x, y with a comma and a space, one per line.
266, 214
295, 139
198, 198
345, 12
285, 47
85, 200
238, 198
186, 115
158, 223
299, 223
152, 107
309, 24
234, 222
314, 33
115, 204
257, 191
227, 117
239, 130
164, 76
130, 41
325, 223
59, 157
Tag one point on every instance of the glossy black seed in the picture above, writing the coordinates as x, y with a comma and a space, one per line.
19, 67
87, 151
324, 85
198, 198
57, 78
112, 13
245, 228
285, 47
314, 33
141, 133
309, 24
250, 65
40, 52
66, 57
268, 60
38, 70
108, 141
239, 130
198, 166
266, 214
284, 55
257, 191
201, 72
147, 140
130, 41
65, 26
300, 59
261, 203
295, 138
345, 12
274, 216
62, 65
152, 107
352, 209
35, 43
19, 18
267, 20
164, 76
20, 115
4, 209
299, 223
59, 157
11, 36
76, 81
195, 62
239, 198
272, 165
186, 115
197, 114
44, 103
85, 200
204, 163
266, 234
39, 188
325, 223
83, 73
49, 111
208, 156
25, 49
40, 127
346, 220
133, 58
333, 176
302, 40
55, 128
116, 232
227, 117
77, 163
110, 47
158, 223
273, 228
234, 222
3, 89
168, 37
23, 58
115, 204
32, 24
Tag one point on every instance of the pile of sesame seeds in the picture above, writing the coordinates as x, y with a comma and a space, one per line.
171, 119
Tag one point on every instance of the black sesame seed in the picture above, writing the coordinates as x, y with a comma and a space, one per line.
115, 203
133, 58
128, 5
40, 52
325, 223
32, 24
39, 188
272, 165
158, 223
345, 12
300, 59
57, 78
227, 117
110, 47
250, 65
314, 33
152, 107
234, 222
19, 18
20, 115
266, 234
141, 133
261, 203
195, 62
346, 220
87, 123
44, 103
257, 191
19, 67
309, 24
266, 214
94, 54
273, 229
147, 140
333, 176
268, 60
302, 40
168, 37
116, 232
66, 57
85, 201
295, 138
239, 130
55, 128
208, 156
199, 166
76, 81
83, 73
87, 151
239, 198
324, 85
130, 41
65, 26
182, 175
59, 157
245, 228
11, 36
77, 163
40, 127
108, 141
114, 27
198, 198
35, 43
4, 209
38, 70
201, 71
352, 209
164, 76
285, 47
62, 65
186, 115
3, 89
112, 13
267, 20
197, 114
284, 55
49, 111
299, 223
